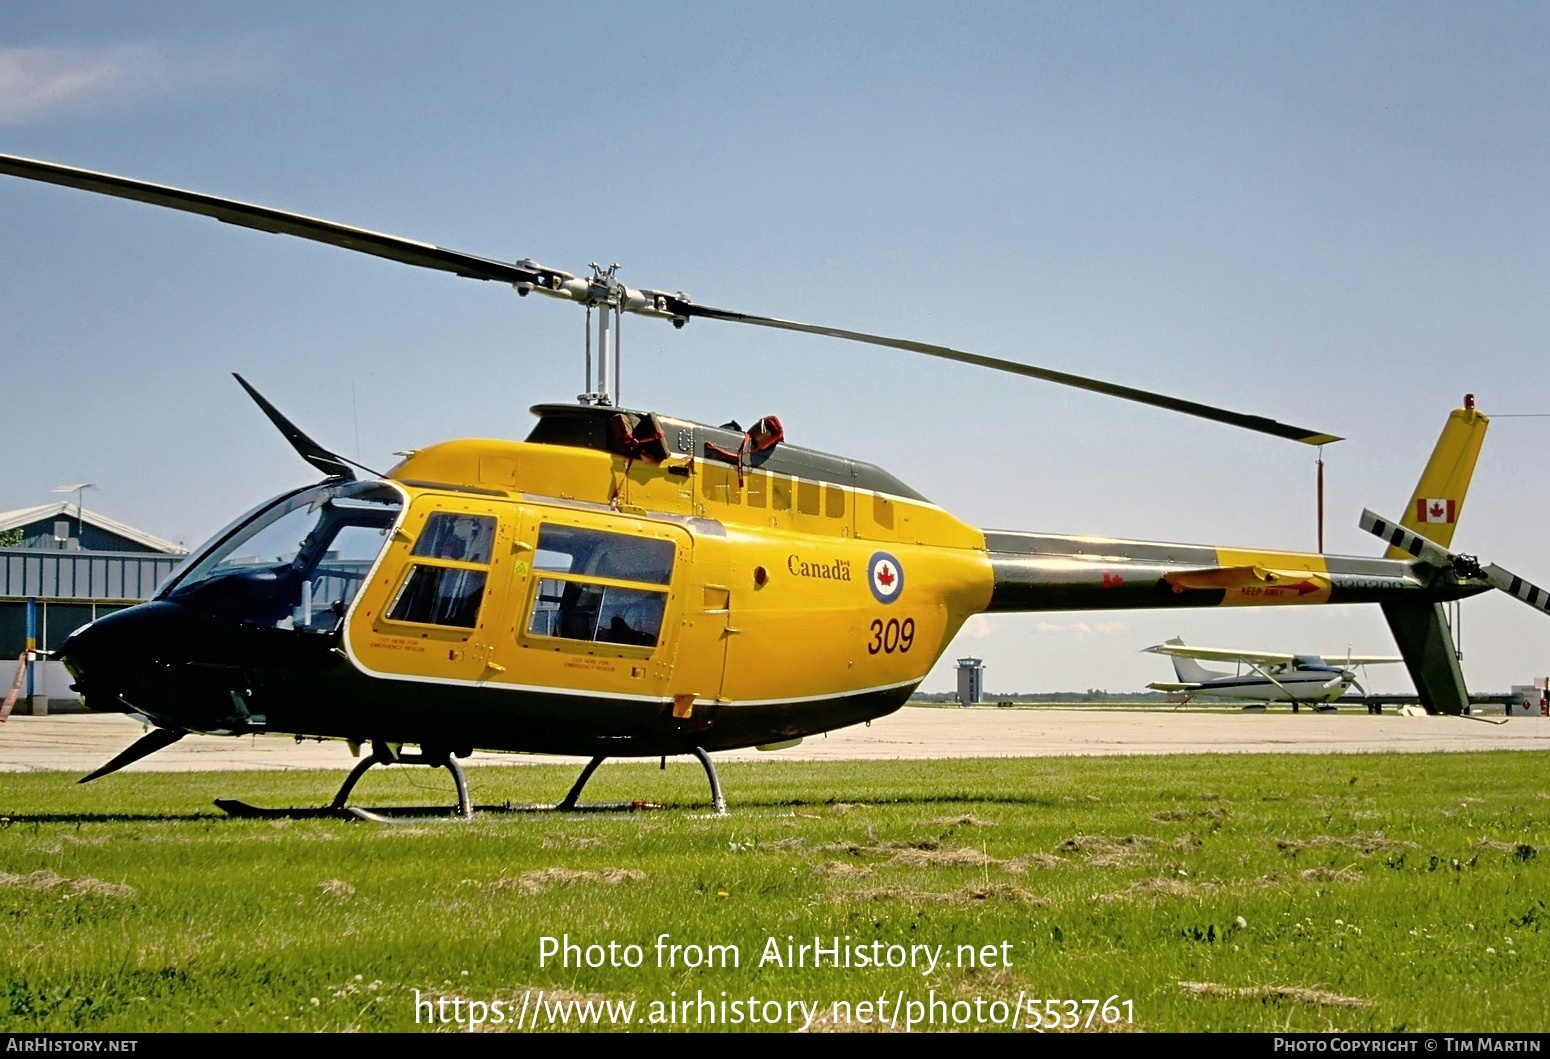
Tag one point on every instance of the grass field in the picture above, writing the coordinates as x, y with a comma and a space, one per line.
1285, 892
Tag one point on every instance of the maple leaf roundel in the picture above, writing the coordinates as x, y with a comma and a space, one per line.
886, 577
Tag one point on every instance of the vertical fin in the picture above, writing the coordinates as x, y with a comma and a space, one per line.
1187, 669
1421, 630
1424, 639
1439, 495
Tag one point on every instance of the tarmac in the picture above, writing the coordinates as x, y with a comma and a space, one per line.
79, 743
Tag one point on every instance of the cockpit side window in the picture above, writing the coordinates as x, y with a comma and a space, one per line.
601, 587
296, 564
446, 584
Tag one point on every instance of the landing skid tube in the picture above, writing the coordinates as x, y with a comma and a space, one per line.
718, 800
381, 754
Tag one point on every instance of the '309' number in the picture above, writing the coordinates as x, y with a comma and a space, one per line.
894, 636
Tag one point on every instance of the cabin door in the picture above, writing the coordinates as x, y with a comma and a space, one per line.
431, 609
601, 604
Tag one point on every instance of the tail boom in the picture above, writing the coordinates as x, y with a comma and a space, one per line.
1043, 572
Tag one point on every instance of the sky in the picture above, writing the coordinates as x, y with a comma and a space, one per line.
1330, 214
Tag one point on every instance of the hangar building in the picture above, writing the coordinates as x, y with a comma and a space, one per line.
69, 566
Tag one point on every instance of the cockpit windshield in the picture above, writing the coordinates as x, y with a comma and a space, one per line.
296, 564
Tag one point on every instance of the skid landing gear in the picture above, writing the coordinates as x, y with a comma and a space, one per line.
718, 801
389, 754
381, 754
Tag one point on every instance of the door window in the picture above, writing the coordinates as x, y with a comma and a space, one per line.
601, 587
446, 584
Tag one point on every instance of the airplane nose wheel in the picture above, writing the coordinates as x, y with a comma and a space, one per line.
718, 801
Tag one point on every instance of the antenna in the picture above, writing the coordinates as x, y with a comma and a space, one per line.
79, 488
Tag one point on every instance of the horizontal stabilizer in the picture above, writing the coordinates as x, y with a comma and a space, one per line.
1266, 585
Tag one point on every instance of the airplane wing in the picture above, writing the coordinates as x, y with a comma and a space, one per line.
1360, 660
1218, 654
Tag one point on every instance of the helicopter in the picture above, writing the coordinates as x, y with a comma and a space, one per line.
623, 583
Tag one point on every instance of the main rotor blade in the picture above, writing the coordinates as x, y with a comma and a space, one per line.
528, 275
315, 454
264, 219
1080, 382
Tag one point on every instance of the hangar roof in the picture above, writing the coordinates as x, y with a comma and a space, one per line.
26, 516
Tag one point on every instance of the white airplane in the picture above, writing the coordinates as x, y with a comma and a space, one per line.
1263, 676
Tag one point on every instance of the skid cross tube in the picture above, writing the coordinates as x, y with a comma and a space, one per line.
383, 754
718, 800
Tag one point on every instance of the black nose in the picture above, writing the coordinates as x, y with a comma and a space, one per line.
180, 668
96, 653
113, 657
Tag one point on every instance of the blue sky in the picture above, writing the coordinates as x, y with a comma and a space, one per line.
1331, 214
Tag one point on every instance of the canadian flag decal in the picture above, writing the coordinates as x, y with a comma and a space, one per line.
1434, 510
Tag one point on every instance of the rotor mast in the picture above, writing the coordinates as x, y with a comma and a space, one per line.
602, 394
602, 291
604, 296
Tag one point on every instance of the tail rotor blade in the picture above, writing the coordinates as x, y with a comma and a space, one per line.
1468, 566
1518, 588
1407, 540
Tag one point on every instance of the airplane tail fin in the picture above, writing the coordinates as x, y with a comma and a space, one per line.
1188, 670
1439, 495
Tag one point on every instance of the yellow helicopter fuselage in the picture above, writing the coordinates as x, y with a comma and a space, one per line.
757, 597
